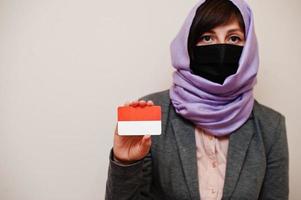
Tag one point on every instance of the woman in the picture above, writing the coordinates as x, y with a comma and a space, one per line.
217, 141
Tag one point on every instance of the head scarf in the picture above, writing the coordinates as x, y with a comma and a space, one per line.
217, 109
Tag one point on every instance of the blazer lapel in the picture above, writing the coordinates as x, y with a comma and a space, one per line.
185, 138
238, 146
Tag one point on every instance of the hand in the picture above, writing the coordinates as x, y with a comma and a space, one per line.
128, 149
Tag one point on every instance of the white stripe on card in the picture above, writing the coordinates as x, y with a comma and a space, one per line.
139, 127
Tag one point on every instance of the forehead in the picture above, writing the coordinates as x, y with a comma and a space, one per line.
232, 25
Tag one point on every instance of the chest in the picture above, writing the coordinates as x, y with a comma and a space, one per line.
176, 171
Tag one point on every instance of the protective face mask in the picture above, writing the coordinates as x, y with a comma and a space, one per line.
216, 62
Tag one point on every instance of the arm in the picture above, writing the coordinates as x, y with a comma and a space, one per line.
129, 176
276, 186
129, 182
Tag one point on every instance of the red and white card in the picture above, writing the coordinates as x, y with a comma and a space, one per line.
139, 120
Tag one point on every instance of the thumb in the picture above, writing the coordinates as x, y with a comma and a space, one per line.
146, 144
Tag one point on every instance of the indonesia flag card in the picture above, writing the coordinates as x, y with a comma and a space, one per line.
139, 120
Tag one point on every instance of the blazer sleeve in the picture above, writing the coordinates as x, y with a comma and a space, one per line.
129, 182
276, 181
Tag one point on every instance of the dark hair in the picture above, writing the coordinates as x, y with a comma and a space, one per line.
210, 14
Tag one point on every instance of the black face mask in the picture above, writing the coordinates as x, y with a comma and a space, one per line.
216, 62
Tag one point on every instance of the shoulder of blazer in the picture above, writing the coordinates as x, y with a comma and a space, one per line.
159, 98
270, 123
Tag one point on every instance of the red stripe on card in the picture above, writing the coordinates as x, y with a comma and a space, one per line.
147, 113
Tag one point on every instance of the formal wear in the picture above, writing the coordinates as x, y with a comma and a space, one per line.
211, 155
256, 161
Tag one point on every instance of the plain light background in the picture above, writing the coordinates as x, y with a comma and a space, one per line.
65, 65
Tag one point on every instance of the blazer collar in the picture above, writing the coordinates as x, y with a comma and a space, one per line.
184, 134
238, 145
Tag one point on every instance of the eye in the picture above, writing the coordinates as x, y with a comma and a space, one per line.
235, 39
206, 38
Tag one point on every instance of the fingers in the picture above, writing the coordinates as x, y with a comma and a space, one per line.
141, 103
146, 138
150, 103
127, 103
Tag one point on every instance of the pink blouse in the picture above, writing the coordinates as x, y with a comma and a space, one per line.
211, 161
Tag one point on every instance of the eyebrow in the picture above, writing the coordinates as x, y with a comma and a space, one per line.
229, 31
235, 30
212, 32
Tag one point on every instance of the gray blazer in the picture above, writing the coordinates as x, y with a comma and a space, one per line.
257, 160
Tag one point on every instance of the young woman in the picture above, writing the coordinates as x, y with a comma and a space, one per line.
217, 142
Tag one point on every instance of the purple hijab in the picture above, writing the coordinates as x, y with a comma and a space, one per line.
217, 109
